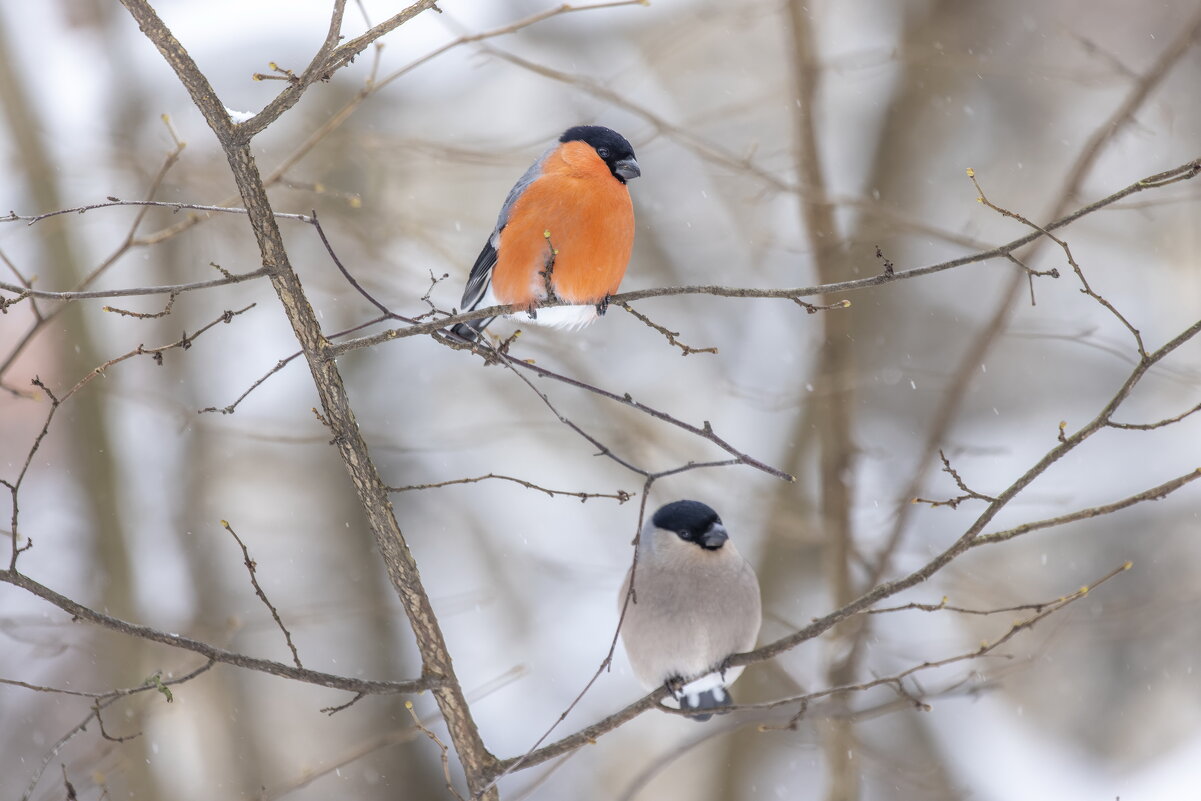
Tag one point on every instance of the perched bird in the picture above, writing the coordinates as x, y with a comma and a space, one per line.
696, 602
567, 226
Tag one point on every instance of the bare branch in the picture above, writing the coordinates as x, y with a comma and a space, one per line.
169, 289
328, 60
251, 567
670, 335
968, 493
985, 649
82, 726
114, 203
126, 244
1184, 172
444, 751
121, 692
145, 315
1154, 494
82, 612
281, 364
1158, 424
1088, 290
590, 734
966, 540
983, 342
706, 150
587, 735
705, 431
14, 487
621, 496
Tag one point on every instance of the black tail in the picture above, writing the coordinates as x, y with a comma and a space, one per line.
470, 330
715, 699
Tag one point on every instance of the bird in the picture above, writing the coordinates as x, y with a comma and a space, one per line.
565, 231
696, 602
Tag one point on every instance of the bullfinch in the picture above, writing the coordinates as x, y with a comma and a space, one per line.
696, 602
567, 225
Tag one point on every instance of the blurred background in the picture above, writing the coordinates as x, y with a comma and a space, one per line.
124, 499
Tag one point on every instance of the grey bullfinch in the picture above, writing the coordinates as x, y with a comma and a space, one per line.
696, 602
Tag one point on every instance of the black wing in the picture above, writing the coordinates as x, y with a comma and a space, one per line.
481, 272
481, 275
477, 286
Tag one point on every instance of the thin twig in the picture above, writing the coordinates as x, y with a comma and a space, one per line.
328, 59
1158, 424
621, 496
1085, 287
281, 364
169, 161
705, 430
985, 649
101, 704
1154, 494
168, 289
145, 315
31, 219
251, 567
686, 350
156, 353
968, 493
444, 752
115, 693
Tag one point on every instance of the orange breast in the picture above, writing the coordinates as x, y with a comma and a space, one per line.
591, 223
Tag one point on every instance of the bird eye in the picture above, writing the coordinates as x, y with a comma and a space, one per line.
603, 152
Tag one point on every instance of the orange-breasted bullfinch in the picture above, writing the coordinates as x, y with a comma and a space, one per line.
568, 224
696, 602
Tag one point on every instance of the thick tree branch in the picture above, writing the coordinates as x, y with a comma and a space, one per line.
82, 612
371, 490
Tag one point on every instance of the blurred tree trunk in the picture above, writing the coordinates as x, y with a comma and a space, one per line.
833, 382
824, 448
82, 425
896, 167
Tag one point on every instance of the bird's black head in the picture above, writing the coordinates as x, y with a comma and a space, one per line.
694, 522
611, 146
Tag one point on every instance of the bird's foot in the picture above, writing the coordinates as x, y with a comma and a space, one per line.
603, 306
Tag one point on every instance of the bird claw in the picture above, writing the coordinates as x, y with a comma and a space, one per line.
603, 306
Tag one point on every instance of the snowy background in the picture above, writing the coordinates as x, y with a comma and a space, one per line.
125, 498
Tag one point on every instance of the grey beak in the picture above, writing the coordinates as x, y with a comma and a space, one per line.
714, 538
627, 169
